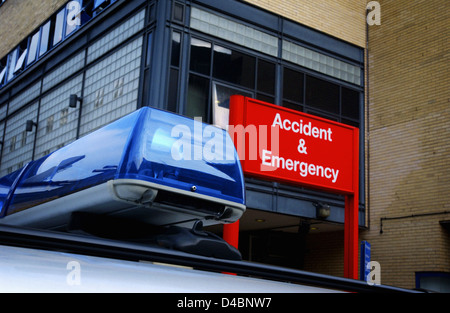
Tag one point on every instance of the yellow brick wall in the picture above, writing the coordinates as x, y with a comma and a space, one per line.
409, 130
344, 19
20, 17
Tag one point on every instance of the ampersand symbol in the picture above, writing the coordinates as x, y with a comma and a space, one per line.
301, 146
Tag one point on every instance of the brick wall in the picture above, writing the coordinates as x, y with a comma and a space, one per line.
18, 18
408, 130
344, 19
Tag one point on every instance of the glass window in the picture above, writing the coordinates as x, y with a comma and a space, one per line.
197, 97
12, 64
221, 100
178, 12
149, 49
21, 60
3, 68
293, 85
176, 42
350, 103
200, 56
234, 67
59, 25
33, 48
44, 38
173, 90
266, 77
2, 75
321, 94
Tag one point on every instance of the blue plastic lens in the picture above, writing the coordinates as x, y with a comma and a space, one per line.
149, 145
182, 153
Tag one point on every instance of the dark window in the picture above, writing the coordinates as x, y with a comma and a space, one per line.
200, 56
176, 42
234, 67
265, 98
173, 90
350, 103
149, 49
322, 95
178, 12
293, 85
266, 77
198, 97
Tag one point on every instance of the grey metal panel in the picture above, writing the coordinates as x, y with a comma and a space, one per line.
30, 270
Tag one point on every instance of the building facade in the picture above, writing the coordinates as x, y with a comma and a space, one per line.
188, 57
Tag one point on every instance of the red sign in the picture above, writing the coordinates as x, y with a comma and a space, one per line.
284, 145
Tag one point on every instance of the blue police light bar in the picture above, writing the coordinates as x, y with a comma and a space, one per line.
152, 165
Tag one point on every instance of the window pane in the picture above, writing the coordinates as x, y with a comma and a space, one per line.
173, 91
350, 103
149, 49
33, 48
200, 56
176, 42
234, 67
57, 37
20, 61
178, 12
293, 106
221, 103
266, 77
2, 75
293, 85
265, 98
44, 39
322, 95
12, 64
198, 94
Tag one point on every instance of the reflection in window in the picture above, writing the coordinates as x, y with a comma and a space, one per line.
33, 48
50, 121
44, 38
20, 61
59, 25
200, 56
64, 114
197, 102
234, 67
2, 75
12, 64
221, 101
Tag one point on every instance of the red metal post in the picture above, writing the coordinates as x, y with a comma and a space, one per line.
231, 233
351, 222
